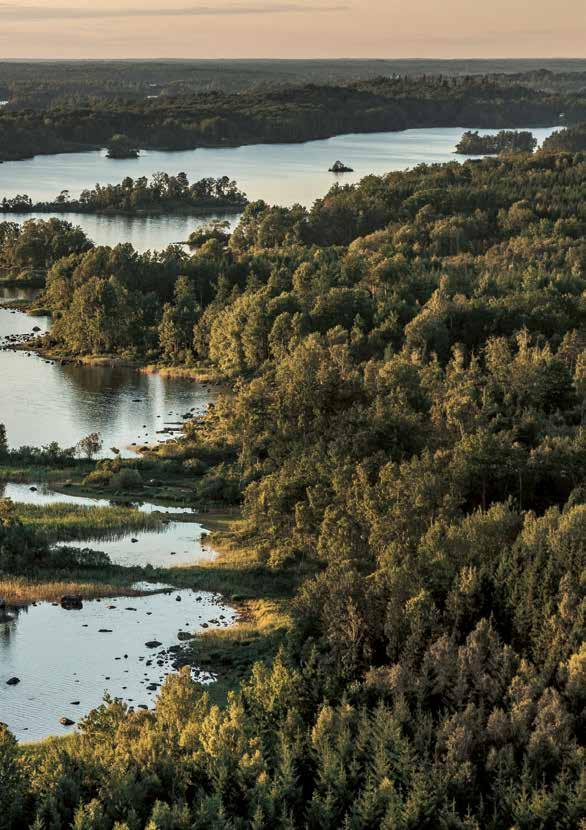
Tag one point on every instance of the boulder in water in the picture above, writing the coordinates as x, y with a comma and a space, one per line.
71, 602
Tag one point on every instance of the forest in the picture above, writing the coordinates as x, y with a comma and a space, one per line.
161, 194
572, 140
285, 114
404, 430
505, 141
45, 84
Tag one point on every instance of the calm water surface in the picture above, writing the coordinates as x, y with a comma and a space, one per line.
176, 543
61, 657
43, 401
278, 173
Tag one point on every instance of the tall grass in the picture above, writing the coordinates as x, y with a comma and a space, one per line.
22, 591
72, 522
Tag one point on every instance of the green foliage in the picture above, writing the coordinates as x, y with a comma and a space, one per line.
27, 250
12, 781
506, 141
570, 140
90, 445
406, 432
121, 147
274, 114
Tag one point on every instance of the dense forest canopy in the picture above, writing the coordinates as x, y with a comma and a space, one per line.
406, 426
162, 193
571, 140
505, 141
300, 113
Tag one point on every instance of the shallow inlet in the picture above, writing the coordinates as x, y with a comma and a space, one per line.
67, 660
175, 543
42, 401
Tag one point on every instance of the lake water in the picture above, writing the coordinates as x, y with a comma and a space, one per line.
65, 663
175, 543
282, 174
44, 401
63, 660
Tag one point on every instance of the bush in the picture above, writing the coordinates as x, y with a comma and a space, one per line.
127, 479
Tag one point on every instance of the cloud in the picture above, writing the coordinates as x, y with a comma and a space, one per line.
12, 12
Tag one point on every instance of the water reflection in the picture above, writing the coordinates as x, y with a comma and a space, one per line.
143, 233
174, 543
44, 401
66, 660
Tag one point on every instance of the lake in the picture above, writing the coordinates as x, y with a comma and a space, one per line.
42, 401
66, 660
282, 174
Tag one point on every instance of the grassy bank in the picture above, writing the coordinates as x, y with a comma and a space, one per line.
69, 522
20, 590
200, 373
261, 596
230, 653
21, 472
238, 573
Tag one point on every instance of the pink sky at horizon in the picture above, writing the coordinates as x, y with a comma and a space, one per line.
292, 29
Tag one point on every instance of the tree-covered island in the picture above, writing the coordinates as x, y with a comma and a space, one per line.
161, 193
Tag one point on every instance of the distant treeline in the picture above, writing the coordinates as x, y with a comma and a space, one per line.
41, 85
161, 193
287, 114
474, 144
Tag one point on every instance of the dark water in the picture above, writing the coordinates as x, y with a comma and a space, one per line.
61, 656
282, 174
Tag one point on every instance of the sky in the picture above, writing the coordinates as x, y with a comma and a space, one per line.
292, 29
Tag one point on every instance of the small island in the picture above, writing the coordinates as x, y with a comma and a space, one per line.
134, 197
121, 147
340, 167
506, 141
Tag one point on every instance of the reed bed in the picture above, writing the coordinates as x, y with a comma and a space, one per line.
22, 591
72, 522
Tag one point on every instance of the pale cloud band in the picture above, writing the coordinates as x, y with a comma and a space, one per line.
10, 11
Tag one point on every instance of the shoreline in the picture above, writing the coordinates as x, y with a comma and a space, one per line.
198, 374
511, 124
65, 209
